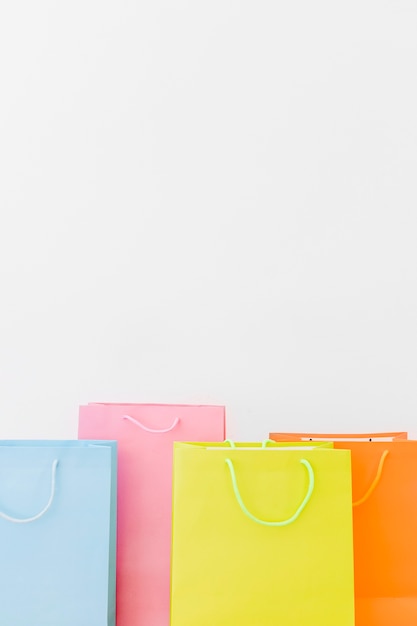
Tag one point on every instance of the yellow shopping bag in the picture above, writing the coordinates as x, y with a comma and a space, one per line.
262, 536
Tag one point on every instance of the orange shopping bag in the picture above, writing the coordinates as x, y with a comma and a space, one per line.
393, 436
384, 484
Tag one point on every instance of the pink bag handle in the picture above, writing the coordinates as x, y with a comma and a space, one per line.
152, 430
25, 520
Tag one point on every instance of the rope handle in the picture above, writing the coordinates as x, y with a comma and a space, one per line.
375, 480
285, 522
26, 520
264, 443
152, 430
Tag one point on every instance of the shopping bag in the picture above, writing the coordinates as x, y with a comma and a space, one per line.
57, 533
228, 443
261, 536
145, 435
391, 436
384, 483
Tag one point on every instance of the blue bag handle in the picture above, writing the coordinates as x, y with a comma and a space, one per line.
25, 520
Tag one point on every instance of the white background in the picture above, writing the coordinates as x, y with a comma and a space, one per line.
209, 202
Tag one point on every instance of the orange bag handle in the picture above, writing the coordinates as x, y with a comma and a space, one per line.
375, 480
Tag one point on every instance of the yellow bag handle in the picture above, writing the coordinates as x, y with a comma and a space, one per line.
264, 443
285, 522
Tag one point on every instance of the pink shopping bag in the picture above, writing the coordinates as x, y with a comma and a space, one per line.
145, 435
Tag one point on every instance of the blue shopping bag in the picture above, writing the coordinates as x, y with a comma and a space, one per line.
58, 533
